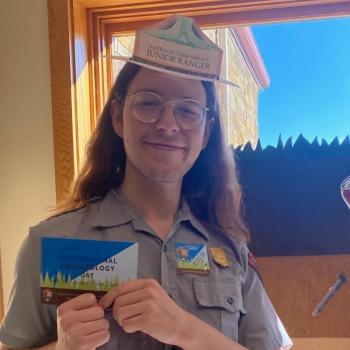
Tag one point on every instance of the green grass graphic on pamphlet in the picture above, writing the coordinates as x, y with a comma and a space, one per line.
63, 282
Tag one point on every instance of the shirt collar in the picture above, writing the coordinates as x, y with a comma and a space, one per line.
114, 210
196, 224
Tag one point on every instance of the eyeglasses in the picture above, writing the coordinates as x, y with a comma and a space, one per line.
148, 107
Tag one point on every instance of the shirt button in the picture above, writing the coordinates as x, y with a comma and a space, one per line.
165, 248
230, 300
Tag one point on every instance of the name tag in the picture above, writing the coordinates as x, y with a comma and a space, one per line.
192, 258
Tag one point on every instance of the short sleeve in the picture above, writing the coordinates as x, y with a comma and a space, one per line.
260, 328
28, 323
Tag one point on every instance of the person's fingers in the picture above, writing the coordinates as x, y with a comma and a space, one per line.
124, 312
86, 328
78, 334
90, 314
134, 324
130, 298
80, 302
93, 341
68, 318
108, 299
125, 288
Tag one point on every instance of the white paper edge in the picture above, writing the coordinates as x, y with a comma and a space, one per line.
179, 74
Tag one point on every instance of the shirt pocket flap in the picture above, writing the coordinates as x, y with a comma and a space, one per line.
221, 294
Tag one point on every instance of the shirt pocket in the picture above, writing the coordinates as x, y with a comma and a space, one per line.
220, 304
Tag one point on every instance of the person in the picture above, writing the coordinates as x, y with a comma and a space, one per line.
158, 173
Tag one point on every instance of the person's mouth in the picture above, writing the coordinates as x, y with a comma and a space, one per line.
166, 146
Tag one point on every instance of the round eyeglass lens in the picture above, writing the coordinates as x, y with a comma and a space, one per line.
189, 113
146, 106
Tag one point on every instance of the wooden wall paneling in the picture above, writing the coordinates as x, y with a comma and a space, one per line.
70, 89
102, 66
321, 344
59, 12
81, 112
104, 50
109, 63
94, 66
92, 85
334, 320
286, 282
98, 50
296, 285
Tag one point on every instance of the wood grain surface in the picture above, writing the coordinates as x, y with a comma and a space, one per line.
61, 84
321, 344
296, 285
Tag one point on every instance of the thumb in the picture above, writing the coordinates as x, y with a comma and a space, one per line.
107, 300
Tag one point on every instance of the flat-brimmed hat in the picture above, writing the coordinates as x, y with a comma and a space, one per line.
177, 46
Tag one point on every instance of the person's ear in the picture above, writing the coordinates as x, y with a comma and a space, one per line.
117, 117
207, 132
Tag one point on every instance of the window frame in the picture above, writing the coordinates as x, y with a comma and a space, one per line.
79, 33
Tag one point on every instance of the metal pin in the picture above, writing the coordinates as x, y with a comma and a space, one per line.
329, 295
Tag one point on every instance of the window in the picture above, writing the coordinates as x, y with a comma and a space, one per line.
80, 30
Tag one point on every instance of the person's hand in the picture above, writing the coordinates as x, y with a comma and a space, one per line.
143, 305
81, 324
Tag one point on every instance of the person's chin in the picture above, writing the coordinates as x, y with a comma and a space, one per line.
164, 176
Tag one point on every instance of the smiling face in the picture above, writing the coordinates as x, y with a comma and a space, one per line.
161, 151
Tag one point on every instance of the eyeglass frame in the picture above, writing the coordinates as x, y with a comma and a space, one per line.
174, 102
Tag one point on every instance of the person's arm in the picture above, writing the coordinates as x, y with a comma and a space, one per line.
51, 346
260, 328
198, 335
27, 323
143, 305
80, 325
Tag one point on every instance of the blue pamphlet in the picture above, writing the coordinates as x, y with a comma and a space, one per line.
70, 267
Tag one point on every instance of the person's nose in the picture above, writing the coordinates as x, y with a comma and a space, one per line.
167, 121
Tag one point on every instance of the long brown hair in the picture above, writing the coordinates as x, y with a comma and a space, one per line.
210, 186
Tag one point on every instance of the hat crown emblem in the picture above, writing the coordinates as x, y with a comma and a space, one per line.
178, 46
183, 38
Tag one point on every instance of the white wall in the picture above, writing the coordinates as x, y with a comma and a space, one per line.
26, 142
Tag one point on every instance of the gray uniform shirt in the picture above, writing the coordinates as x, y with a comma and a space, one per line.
230, 299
